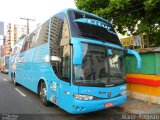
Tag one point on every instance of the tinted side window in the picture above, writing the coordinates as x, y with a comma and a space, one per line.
37, 37
56, 33
59, 47
32, 38
41, 36
18, 46
25, 45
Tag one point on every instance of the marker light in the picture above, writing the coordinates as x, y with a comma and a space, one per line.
123, 92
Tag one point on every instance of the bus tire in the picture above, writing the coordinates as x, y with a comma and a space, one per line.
43, 93
13, 77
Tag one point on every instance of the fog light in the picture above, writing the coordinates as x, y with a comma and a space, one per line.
75, 107
81, 108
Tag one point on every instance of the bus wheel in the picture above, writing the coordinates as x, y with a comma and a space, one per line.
43, 94
14, 80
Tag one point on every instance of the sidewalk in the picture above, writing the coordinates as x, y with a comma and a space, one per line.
134, 106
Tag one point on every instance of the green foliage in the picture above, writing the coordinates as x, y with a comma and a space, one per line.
135, 16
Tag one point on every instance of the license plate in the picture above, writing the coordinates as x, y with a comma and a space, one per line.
108, 105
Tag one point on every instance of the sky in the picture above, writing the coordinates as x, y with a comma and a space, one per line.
40, 10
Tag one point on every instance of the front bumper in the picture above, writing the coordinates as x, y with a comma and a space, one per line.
79, 106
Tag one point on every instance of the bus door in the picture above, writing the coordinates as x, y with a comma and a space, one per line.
55, 83
60, 89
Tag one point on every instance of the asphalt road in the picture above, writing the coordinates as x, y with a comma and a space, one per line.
22, 104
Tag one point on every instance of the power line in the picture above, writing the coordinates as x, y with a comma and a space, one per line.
130, 12
131, 7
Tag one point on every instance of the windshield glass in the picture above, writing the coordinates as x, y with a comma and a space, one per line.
99, 67
94, 68
89, 26
116, 64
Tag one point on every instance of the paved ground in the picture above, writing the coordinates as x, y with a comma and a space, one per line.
141, 107
19, 102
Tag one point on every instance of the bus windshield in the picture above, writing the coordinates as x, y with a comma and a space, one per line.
89, 26
98, 68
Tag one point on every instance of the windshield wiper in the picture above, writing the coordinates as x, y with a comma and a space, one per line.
90, 82
101, 83
91, 36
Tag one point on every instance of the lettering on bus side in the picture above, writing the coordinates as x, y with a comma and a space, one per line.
54, 86
20, 60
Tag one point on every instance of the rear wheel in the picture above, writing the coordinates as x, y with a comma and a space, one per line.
14, 80
43, 94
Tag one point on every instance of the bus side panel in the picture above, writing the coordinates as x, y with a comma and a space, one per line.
36, 66
66, 95
31, 66
27, 68
19, 71
53, 86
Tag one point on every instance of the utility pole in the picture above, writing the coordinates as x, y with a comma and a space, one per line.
27, 19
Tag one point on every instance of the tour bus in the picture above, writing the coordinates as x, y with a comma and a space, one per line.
74, 60
4, 64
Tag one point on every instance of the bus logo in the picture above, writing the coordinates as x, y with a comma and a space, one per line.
109, 94
95, 23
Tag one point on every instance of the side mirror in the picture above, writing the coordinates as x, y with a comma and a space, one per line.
138, 57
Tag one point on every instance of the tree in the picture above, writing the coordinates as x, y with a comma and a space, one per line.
128, 16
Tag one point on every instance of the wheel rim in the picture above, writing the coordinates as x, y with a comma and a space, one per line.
43, 92
14, 80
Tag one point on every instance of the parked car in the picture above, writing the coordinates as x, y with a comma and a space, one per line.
4, 64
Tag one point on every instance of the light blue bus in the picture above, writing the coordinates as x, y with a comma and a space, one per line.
74, 60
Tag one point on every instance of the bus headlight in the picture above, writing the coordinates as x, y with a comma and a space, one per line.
123, 92
82, 97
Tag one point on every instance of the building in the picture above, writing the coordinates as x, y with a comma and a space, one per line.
2, 28
1, 51
133, 42
20, 31
4, 46
1, 38
14, 32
